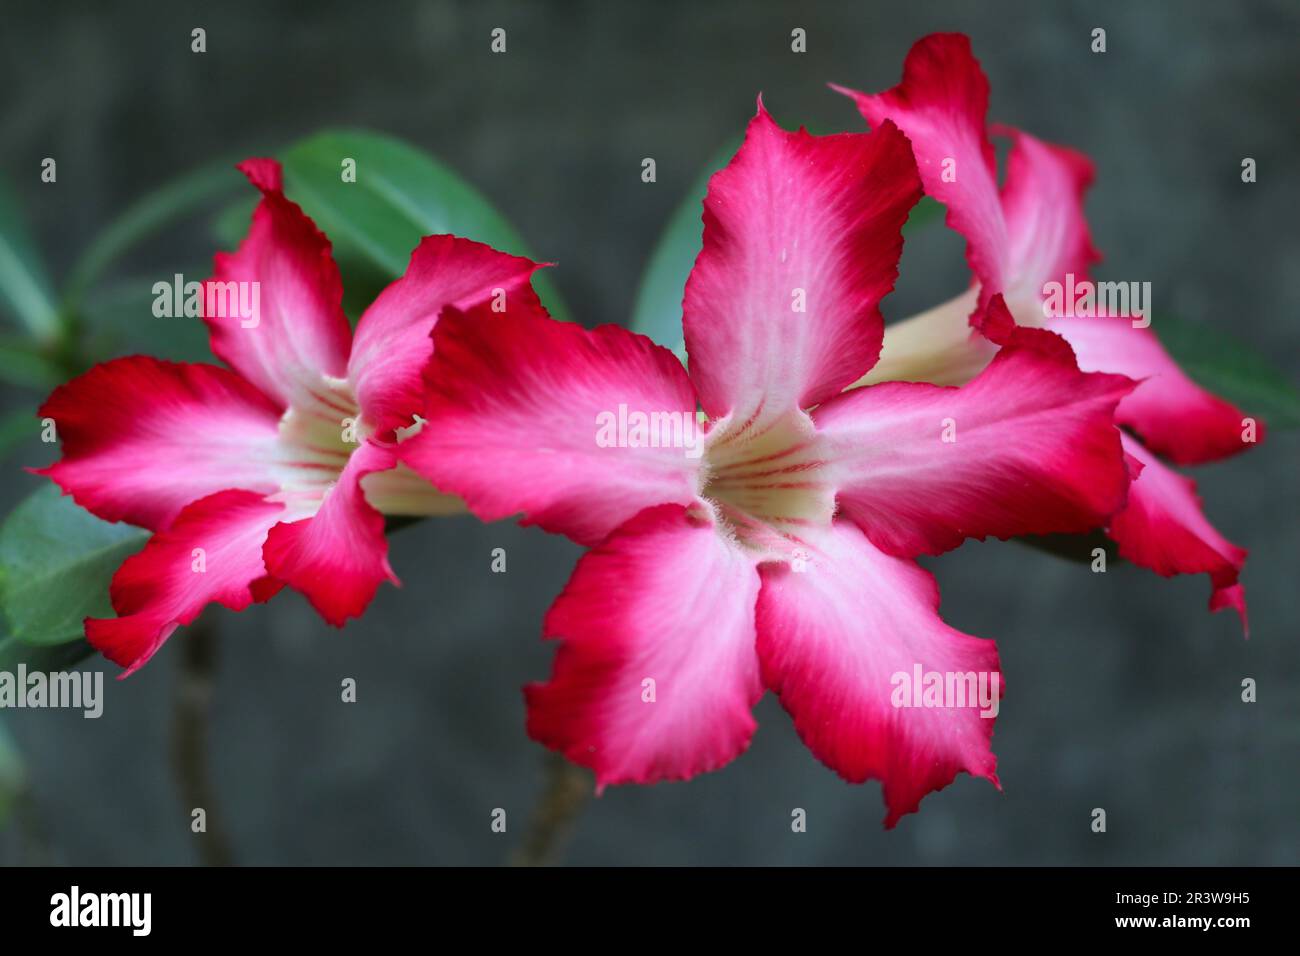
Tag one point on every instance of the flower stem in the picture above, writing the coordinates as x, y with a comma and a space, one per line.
190, 758
564, 794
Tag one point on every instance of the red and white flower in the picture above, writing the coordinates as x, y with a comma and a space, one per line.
781, 556
280, 468
1021, 237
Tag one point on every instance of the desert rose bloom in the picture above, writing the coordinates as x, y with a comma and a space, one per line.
1029, 234
279, 469
772, 548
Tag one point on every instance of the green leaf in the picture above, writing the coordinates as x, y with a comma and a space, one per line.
925, 213
147, 216
120, 318
56, 562
25, 363
1231, 369
658, 309
16, 427
400, 195
42, 657
25, 288
230, 225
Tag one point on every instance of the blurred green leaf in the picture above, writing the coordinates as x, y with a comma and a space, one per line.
400, 195
56, 562
16, 427
42, 657
25, 288
1231, 369
150, 214
119, 317
230, 225
658, 309
25, 363
927, 212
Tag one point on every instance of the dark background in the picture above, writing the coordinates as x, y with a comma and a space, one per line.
1123, 692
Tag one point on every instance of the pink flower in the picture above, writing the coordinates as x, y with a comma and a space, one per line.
773, 549
1029, 234
277, 470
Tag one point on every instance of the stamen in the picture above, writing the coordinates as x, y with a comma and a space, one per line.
768, 484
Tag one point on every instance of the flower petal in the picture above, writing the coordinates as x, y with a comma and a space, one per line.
338, 556
1175, 417
515, 407
1033, 231
142, 438
938, 346
831, 640
1027, 447
941, 106
211, 552
1042, 200
392, 343
801, 242
665, 599
301, 332
1164, 528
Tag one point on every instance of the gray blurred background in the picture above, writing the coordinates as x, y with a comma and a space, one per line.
1124, 693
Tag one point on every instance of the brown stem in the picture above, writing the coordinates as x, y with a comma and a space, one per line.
564, 794
190, 758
